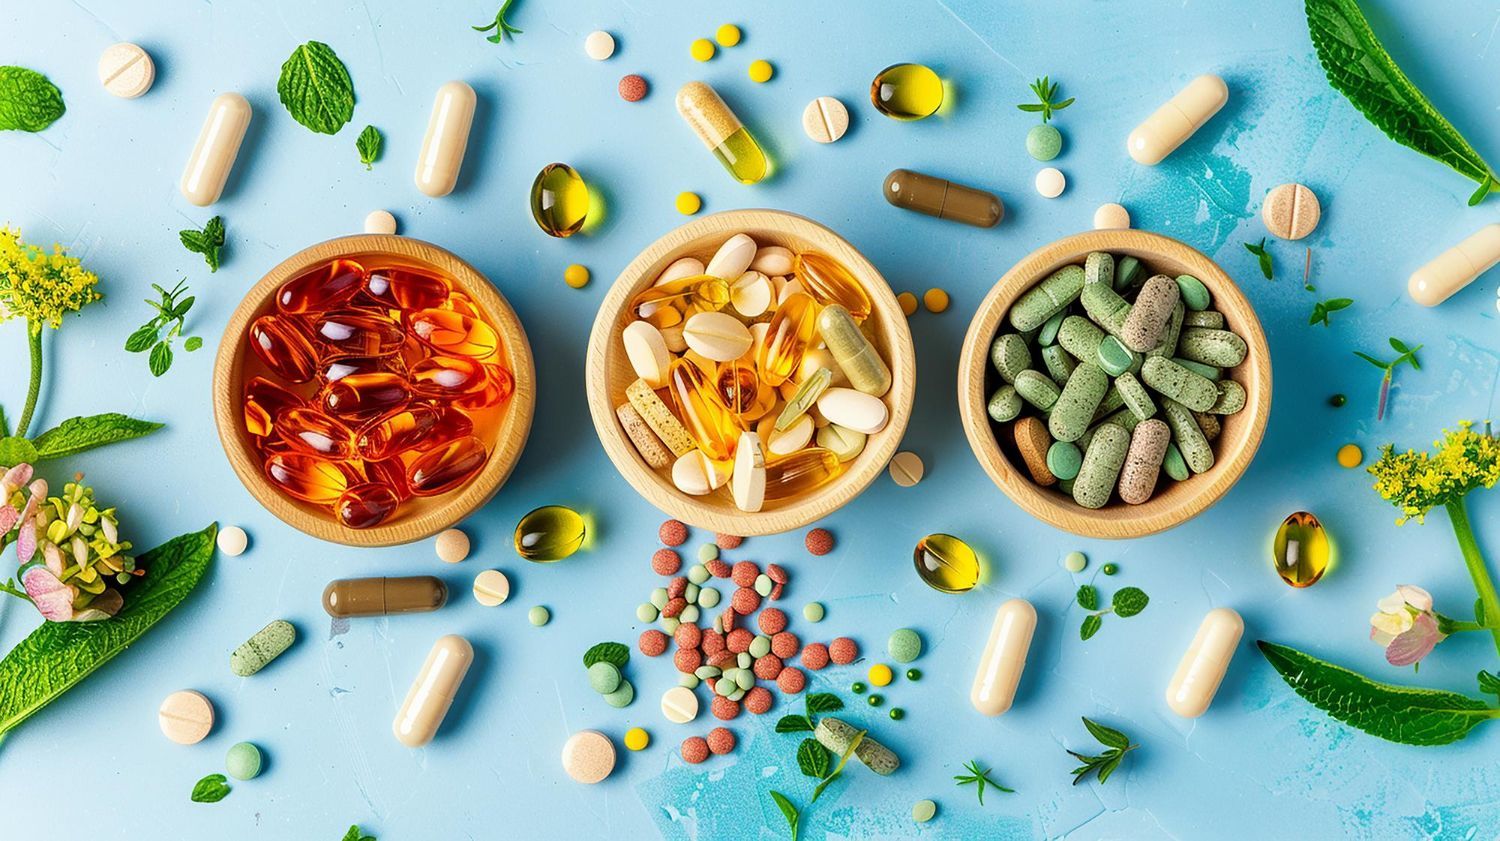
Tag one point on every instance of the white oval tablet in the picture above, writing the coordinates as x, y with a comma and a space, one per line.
854, 410
791, 439
599, 46
749, 480
680, 268
695, 474
679, 705
732, 258
717, 336
646, 349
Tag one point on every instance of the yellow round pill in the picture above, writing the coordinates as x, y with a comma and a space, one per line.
761, 70
576, 276
702, 49
688, 203
880, 675
728, 35
908, 302
936, 300
637, 739
1350, 455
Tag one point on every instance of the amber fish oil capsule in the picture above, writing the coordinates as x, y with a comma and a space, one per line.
432, 692
943, 199
907, 92
722, 132
1177, 119
1004, 657
382, 596
218, 145
447, 139
1203, 666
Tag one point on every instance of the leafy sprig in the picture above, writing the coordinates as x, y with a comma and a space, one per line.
1405, 354
157, 334
1267, 268
979, 777
1322, 309
207, 242
357, 834
1116, 745
1126, 602
368, 145
1489, 683
838, 770
500, 26
1046, 92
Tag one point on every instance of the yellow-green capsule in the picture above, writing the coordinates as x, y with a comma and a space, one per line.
559, 200
1301, 550
550, 533
722, 132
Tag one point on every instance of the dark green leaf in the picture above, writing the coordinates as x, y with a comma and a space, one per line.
58, 655
15, 449
316, 89
1030, 106
192, 343
142, 339
1489, 683
28, 100
161, 359
1372, 360
794, 724
813, 759
75, 435
614, 653
823, 702
1486, 187
181, 308
788, 811
1336, 304
1402, 714
1107, 736
352, 834
1108, 766
1399, 345
1129, 601
4, 424
1255, 249
1091, 625
211, 789
206, 242
1088, 597
368, 145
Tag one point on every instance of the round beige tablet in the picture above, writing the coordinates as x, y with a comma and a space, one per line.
233, 540
600, 45
491, 588
907, 468
1050, 182
452, 546
1291, 211
588, 756
679, 705
126, 70
825, 119
380, 222
186, 717
1111, 216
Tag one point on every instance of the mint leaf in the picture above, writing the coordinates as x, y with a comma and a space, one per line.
1107, 736
192, 343
58, 655
788, 811
211, 789
1091, 625
614, 653
207, 242
142, 339
15, 449
823, 702
368, 145
1088, 597
1489, 684
161, 359
28, 100
316, 89
794, 724
356, 834
813, 759
1129, 601
1401, 714
75, 435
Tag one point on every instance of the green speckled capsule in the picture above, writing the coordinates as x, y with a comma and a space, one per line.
257, 652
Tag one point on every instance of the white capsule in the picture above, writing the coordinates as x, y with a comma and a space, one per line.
1456, 268
432, 692
447, 139
1203, 666
213, 155
1177, 119
1004, 657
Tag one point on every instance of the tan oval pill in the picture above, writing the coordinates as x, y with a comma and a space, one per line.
446, 140
186, 717
749, 480
1177, 119
491, 588
588, 756
1148, 446
646, 349
452, 546
1004, 657
825, 119
1202, 668
907, 468
791, 439
213, 155
773, 261
732, 258
1290, 211
126, 70
1111, 216
380, 222
695, 474
717, 336
1456, 268
432, 692
681, 268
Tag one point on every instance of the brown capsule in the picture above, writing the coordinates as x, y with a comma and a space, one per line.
322, 288
418, 426
366, 505
342, 366
308, 478
284, 343
943, 199
444, 468
314, 433
383, 596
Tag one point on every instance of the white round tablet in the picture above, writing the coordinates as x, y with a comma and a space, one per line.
1111, 216
679, 705
600, 45
491, 588
1050, 182
233, 540
825, 119
380, 222
126, 70
186, 717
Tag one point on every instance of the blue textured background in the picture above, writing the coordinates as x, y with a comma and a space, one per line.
103, 181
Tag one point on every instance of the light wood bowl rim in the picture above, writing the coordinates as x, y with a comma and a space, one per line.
434, 514
715, 512
1175, 505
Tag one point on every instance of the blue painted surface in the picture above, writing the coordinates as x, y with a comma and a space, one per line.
103, 181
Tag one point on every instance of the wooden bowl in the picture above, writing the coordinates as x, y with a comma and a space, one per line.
1174, 502
418, 517
609, 372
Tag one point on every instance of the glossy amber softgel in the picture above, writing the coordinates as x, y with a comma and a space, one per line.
559, 200
550, 533
1301, 550
907, 92
946, 563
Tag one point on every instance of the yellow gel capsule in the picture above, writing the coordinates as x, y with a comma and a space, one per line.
697, 293
698, 405
801, 472
1301, 550
792, 329
722, 132
880, 675
907, 92
559, 200
828, 282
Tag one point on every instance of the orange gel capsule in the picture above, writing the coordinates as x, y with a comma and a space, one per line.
285, 344
441, 377
418, 426
391, 473
314, 433
322, 288
359, 333
829, 282
792, 329
459, 302
702, 410
743, 391
444, 468
449, 331
264, 400
342, 366
308, 478
406, 289
800, 472
699, 293
366, 505
365, 396
499, 386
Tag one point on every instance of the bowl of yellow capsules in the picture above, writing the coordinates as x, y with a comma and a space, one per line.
1115, 383
750, 372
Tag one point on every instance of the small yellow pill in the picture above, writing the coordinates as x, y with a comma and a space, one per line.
702, 49
688, 203
637, 739
727, 35
880, 675
761, 70
1350, 455
908, 302
936, 300
576, 276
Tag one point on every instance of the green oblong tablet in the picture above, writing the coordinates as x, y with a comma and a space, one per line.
1194, 293
257, 652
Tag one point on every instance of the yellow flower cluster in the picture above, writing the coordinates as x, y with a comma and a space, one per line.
41, 287
1418, 482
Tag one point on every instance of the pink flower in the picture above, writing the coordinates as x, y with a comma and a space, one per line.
1406, 625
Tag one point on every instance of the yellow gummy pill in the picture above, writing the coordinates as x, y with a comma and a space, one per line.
908, 302
702, 49
1350, 455
936, 300
637, 739
761, 70
688, 203
728, 35
576, 276
880, 675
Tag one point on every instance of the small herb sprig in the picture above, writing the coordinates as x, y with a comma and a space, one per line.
1267, 268
368, 145
207, 242
1406, 354
1323, 308
1046, 92
1117, 744
170, 314
211, 789
1126, 602
357, 834
791, 813
500, 27
979, 777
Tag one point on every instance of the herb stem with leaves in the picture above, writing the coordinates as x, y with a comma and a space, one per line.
1406, 355
1104, 764
501, 28
979, 777
158, 334
1046, 104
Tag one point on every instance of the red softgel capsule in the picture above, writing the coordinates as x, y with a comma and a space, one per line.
361, 397
284, 344
322, 288
264, 400
359, 333
366, 505
419, 426
406, 289
444, 468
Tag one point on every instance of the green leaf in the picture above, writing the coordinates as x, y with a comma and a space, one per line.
206, 242
1108, 767
1372, 360
1402, 714
15, 449
813, 758
1479, 611
368, 145
1107, 736
1129, 601
1489, 683
1088, 597
58, 655
788, 811
854, 744
1399, 345
316, 89
823, 702
192, 343
28, 100
1030, 106
614, 653
1487, 186
143, 338
4, 424
75, 435
356, 834
211, 789
1336, 304
161, 359
181, 308
1091, 625
794, 724
1359, 67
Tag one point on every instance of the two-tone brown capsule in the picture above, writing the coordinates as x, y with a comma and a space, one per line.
943, 199
383, 596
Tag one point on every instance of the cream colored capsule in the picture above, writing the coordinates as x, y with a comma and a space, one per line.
446, 140
1004, 657
1203, 666
214, 153
1176, 120
431, 694
1456, 268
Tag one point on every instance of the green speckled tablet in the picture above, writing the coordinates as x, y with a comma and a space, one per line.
257, 652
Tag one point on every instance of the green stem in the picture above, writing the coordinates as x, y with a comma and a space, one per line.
1475, 562
35, 334
20, 594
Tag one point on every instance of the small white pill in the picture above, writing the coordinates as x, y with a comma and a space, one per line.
1050, 182
600, 45
380, 222
825, 119
233, 540
126, 70
491, 588
1111, 216
854, 410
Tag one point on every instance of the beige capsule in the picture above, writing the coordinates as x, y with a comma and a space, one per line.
1177, 119
1004, 657
218, 145
447, 139
1447, 273
1203, 666
432, 692
1148, 446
